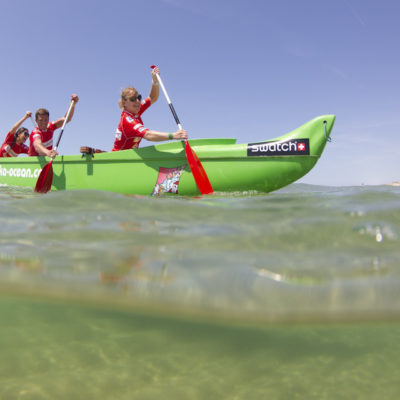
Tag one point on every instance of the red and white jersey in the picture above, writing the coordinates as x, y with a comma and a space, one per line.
9, 150
45, 136
130, 129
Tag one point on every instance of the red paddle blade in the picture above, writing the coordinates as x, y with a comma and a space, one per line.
43, 184
197, 169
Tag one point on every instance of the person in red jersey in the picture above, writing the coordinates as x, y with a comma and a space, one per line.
14, 143
41, 138
130, 129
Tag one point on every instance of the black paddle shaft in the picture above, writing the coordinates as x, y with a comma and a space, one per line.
174, 113
63, 125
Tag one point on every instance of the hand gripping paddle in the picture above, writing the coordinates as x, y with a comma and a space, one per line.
45, 179
197, 169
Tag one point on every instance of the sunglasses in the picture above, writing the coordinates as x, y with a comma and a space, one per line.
134, 98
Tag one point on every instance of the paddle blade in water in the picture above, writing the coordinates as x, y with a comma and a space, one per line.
43, 184
197, 169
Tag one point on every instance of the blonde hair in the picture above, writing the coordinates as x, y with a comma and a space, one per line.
125, 94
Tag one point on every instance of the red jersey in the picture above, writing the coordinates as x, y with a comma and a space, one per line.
130, 129
45, 136
9, 150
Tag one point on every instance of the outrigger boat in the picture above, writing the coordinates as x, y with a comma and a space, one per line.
163, 168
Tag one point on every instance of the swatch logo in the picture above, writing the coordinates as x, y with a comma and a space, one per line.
292, 147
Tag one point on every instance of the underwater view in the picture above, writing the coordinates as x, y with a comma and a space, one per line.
292, 294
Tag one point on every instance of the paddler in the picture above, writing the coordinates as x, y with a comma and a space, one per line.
41, 138
130, 129
14, 142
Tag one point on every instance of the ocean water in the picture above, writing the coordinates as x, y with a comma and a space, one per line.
289, 295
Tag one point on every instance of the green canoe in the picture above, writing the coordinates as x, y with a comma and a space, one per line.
163, 168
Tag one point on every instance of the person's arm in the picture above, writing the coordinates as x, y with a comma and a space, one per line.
41, 150
10, 151
155, 136
90, 150
154, 91
60, 121
20, 122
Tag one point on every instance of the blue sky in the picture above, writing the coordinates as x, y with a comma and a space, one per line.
252, 70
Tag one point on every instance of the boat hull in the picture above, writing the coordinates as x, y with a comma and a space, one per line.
161, 169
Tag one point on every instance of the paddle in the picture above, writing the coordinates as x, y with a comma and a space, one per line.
197, 169
43, 184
